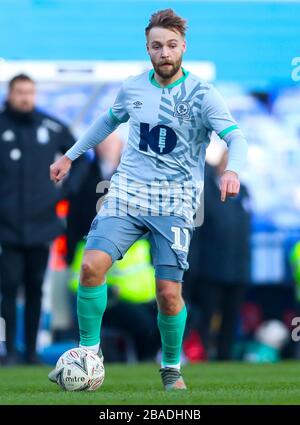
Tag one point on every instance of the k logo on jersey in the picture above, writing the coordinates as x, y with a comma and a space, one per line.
182, 110
161, 138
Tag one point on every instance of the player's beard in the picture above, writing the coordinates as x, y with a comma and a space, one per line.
167, 72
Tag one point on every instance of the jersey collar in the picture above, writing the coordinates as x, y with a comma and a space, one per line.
169, 86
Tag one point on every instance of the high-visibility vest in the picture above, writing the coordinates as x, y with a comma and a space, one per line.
295, 263
75, 267
133, 275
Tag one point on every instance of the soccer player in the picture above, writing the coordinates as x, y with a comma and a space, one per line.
156, 189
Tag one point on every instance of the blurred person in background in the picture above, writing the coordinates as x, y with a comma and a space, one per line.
30, 140
219, 264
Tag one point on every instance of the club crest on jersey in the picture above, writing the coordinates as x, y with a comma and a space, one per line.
182, 110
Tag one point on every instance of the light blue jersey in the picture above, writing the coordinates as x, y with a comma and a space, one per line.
162, 168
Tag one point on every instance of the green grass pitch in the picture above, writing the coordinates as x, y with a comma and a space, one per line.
208, 383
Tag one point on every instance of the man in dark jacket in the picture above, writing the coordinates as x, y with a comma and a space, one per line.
219, 262
29, 142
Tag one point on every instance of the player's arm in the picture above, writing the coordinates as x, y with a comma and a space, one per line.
217, 117
95, 134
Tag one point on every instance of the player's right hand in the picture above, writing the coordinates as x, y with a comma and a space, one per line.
60, 168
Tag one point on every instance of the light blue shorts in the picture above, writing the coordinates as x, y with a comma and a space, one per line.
169, 237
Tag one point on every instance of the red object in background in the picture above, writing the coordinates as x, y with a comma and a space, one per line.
251, 317
193, 348
287, 318
62, 208
58, 253
58, 249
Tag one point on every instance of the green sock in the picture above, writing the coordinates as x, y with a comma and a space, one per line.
171, 331
91, 305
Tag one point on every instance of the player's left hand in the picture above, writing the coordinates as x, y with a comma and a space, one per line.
229, 184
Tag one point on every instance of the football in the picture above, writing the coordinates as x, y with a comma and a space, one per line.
80, 369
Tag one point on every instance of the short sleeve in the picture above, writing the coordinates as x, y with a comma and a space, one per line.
216, 115
118, 111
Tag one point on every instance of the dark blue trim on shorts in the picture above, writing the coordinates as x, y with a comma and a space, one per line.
105, 245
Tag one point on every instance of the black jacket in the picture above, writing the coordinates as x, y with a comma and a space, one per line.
220, 248
79, 219
29, 143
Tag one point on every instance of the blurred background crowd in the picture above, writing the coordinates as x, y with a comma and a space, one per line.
243, 286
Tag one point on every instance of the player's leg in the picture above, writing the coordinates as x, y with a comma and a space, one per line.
91, 301
171, 321
107, 241
170, 241
92, 297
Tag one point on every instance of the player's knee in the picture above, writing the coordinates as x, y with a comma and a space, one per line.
168, 300
90, 273
87, 268
94, 267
